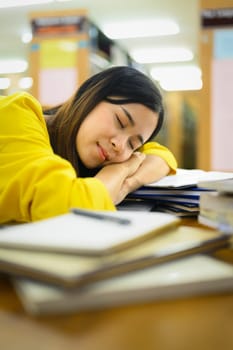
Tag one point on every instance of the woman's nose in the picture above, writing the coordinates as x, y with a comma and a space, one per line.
118, 144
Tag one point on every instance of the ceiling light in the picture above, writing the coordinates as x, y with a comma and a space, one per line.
152, 55
17, 3
25, 83
13, 66
26, 37
173, 78
175, 71
4, 83
182, 85
137, 29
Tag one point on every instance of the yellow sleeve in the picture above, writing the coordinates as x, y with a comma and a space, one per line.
161, 151
36, 183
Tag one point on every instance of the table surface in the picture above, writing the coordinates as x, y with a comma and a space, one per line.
193, 323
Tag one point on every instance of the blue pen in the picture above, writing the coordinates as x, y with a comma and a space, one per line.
101, 216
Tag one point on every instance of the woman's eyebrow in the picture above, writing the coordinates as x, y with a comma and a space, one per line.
132, 122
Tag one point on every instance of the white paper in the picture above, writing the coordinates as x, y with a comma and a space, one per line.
189, 177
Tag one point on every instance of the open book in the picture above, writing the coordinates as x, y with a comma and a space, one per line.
189, 276
73, 270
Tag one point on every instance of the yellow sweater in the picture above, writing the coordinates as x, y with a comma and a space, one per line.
35, 183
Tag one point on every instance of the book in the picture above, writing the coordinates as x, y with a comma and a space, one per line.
175, 206
192, 192
151, 204
136, 204
172, 199
94, 233
73, 270
190, 177
225, 186
188, 276
212, 221
217, 201
222, 221
181, 210
172, 191
216, 209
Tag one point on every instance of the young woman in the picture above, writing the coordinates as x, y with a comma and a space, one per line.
89, 152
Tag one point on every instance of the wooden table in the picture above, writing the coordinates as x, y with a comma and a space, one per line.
197, 323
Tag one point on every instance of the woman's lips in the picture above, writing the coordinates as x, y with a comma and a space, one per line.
103, 154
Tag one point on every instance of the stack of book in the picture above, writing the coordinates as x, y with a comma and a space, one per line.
216, 208
175, 194
92, 259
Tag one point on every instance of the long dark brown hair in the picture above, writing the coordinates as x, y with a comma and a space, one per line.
128, 84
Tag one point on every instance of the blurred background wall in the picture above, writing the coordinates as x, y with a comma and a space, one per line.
50, 47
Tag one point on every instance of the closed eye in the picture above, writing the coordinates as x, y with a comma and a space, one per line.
135, 142
131, 145
119, 122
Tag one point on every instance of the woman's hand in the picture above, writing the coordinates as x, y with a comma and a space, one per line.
153, 168
123, 178
115, 175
